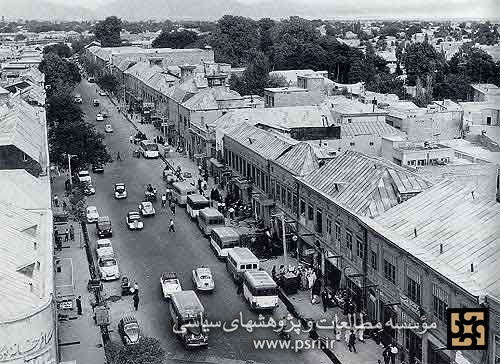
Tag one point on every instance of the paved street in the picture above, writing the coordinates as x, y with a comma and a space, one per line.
145, 254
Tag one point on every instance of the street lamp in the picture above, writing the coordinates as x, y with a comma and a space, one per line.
69, 169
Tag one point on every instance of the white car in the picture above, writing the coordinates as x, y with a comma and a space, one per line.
104, 248
92, 214
203, 279
169, 284
146, 208
134, 221
88, 189
108, 128
84, 177
99, 117
108, 268
103, 93
120, 190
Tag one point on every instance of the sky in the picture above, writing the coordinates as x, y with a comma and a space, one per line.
462, 8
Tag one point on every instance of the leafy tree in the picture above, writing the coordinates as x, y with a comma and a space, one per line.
381, 43
265, 28
454, 87
356, 73
91, 67
78, 45
420, 59
176, 39
475, 64
147, 351
391, 29
61, 109
413, 29
485, 34
108, 82
276, 81
108, 31
19, 37
77, 202
61, 49
255, 78
387, 84
59, 73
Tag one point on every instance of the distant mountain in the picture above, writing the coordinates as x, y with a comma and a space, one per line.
42, 10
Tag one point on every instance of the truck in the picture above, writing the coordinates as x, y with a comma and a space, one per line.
61, 221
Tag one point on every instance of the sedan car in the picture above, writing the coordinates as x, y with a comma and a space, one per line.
99, 117
88, 189
95, 102
104, 248
84, 177
203, 279
108, 128
103, 93
108, 268
146, 208
134, 221
169, 283
92, 214
128, 329
97, 168
120, 191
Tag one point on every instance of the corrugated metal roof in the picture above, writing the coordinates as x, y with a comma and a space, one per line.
22, 189
369, 127
208, 98
367, 185
268, 145
300, 160
467, 227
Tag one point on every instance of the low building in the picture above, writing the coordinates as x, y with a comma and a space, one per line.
347, 111
485, 92
412, 154
480, 113
291, 96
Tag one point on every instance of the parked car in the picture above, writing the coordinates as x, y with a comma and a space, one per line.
84, 176
88, 189
133, 220
108, 128
99, 117
103, 93
146, 208
104, 248
91, 80
128, 329
77, 99
169, 284
203, 279
104, 113
108, 268
120, 191
95, 102
97, 168
103, 226
92, 214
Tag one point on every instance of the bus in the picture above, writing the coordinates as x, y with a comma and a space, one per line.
186, 309
222, 239
239, 260
260, 291
149, 149
181, 190
208, 218
195, 203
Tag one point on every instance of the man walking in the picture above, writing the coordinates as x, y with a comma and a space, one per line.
72, 233
352, 341
66, 235
56, 200
386, 355
136, 301
324, 300
394, 353
163, 200
171, 228
79, 305
172, 207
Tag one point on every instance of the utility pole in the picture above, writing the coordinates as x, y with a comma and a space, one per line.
69, 169
284, 242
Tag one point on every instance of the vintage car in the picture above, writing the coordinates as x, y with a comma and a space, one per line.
97, 168
120, 191
99, 117
92, 214
150, 193
103, 93
84, 176
88, 189
133, 220
203, 279
146, 208
128, 329
104, 248
108, 128
108, 268
169, 284
95, 102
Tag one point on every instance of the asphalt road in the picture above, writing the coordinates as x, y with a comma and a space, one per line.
144, 255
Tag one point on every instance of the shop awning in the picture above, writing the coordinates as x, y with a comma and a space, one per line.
354, 276
263, 200
216, 163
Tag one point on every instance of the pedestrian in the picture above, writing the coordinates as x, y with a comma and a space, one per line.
118, 156
352, 341
79, 305
72, 233
65, 205
324, 300
172, 207
136, 301
163, 200
56, 200
136, 289
394, 353
66, 235
386, 355
171, 228
200, 169
131, 138
273, 272
58, 242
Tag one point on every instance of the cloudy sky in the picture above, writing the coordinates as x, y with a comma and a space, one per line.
455, 8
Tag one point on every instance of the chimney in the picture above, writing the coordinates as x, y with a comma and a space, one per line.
31, 286
216, 80
415, 232
186, 71
440, 248
34, 245
472, 267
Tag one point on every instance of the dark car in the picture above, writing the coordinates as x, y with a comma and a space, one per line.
88, 189
128, 329
97, 168
103, 226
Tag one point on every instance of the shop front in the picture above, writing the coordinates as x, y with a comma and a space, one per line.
240, 188
412, 339
333, 272
388, 313
436, 353
215, 169
308, 252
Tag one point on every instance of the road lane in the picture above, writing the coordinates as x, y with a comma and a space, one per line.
144, 255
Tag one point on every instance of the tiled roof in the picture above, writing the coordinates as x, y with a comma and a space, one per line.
369, 127
467, 227
161, 82
267, 145
367, 185
184, 90
300, 160
22, 189
208, 98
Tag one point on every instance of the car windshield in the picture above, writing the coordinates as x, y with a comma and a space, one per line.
108, 263
104, 244
92, 210
205, 277
151, 147
120, 188
133, 217
83, 173
132, 329
147, 206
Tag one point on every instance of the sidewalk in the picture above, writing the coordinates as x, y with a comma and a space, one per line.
79, 339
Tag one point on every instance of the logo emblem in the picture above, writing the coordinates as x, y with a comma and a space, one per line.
467, 328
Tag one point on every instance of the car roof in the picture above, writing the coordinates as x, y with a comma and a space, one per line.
103, 241
119, 184
133, 213
108, 257
169, 275
147, 203
204, 270
103, 218
91, 207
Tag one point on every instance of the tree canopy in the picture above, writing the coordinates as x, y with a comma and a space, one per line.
147, 351
108, 31
175, 39
421, 59
108, 82
61, 49
59, 73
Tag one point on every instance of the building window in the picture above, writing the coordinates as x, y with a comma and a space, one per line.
273, 191
371, 143
349, 240
360, 251
310, 212
302, 207
253, 173
257, 182
352, 144
283, 195
289, 198
390, 271
294, 205
278, 192
439, 303
319, 222
413, 286
421, 162
262, 181
328, 226
337, 231
374, 260
25, 157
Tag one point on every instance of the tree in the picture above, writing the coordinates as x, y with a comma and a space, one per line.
356, 73
255, 78
276, 81
108, 82
381, 43
485, 34
59, 73
61, 109
19, 37
108, 31
474, 63
61, 49
386, 84
266, 26
175, 39
91, 67
455, 87
421, 59
147, 351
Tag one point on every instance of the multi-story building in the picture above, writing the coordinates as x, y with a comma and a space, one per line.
347, 111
